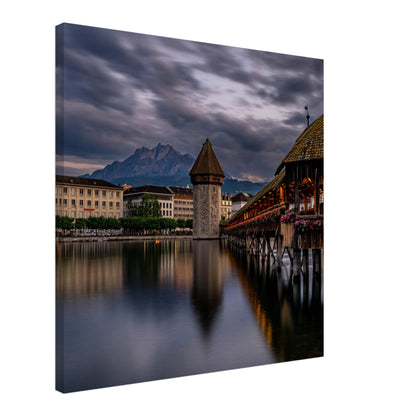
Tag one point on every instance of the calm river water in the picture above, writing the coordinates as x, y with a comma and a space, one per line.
137, 311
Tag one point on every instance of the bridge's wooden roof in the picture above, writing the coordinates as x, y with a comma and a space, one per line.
308, 146
273, 184
206, 162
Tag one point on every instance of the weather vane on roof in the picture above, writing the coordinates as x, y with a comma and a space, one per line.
307, 115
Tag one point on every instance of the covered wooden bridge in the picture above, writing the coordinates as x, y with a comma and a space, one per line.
286, 216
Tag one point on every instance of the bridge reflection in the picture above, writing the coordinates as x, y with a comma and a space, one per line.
289, 311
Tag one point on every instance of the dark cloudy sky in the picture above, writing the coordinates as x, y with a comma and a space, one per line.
123, 90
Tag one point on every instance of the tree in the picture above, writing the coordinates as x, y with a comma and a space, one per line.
189, 223
92, 223
66, 223
167, 223
149, 207
112, 224
80, 223
181, 223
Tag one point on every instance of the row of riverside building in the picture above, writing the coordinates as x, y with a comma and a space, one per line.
77, 197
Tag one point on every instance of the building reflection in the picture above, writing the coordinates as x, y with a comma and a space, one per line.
87, 269
183, 265
163, 264
191, 267
207, 282
289, 313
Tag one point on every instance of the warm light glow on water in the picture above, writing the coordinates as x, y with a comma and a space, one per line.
138, 311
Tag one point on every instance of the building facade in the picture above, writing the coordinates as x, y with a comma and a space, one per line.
207, 178
162, 193
84, 197
226, 207
183, 202
239, 200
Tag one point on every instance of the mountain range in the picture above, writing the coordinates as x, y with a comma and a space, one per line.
164, 166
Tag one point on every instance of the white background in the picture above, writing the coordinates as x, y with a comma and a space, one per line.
369, 363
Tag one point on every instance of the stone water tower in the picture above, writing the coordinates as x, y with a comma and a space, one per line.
207, 178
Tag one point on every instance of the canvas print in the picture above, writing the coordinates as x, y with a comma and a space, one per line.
189, 208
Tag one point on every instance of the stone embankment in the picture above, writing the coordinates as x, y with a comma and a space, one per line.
123, 238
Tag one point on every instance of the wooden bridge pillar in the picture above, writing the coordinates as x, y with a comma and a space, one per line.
305, 262
263, 246
296, 263
256, 244
269, 247
280, 248
316, 262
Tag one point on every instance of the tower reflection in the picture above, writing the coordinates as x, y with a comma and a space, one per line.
207, 282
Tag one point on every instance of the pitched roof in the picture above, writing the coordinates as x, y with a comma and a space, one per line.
148, 189
181, 190
308, 146
75, 180
241, 197
206, 162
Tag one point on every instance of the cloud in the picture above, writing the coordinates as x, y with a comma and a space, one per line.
123, 90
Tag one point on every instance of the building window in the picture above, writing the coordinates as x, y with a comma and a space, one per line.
111, 194
117, 204
65, 190
96, 204
65, 202
103, 214
73, 202
80, 214
117, 194
89, 203
73, 191
65, 213
89, 192
104, 193
73, 214
111, 205
81, 192
96, 193
110, 215
81, 203
163, 212
103, 204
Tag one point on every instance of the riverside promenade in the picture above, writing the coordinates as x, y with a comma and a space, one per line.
123, 238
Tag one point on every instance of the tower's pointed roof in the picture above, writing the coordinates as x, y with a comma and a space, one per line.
206, 162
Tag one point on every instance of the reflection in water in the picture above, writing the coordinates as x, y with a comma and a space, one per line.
139, 311
290, 313
207, 284
87, 269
